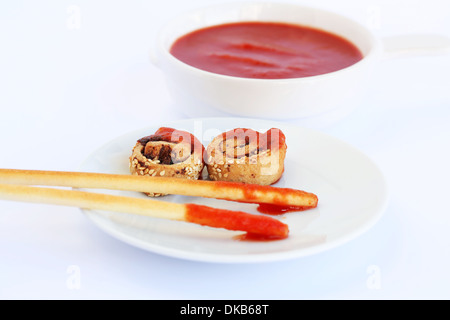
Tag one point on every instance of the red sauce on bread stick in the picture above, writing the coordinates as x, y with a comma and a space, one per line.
266, 227
253, 192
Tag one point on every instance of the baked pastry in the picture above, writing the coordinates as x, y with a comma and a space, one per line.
245, 155
169, 153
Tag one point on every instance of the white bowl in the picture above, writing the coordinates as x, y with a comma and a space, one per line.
201, 93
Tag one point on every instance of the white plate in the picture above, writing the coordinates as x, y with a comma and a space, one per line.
351, 190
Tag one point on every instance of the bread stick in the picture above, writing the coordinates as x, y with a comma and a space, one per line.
234, 191
202, 215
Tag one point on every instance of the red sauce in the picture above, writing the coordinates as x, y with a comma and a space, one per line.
256, 237
175, 136
253, 192
275, 209
265, 50
236, 220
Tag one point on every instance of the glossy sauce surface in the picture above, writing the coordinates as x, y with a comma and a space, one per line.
265, 50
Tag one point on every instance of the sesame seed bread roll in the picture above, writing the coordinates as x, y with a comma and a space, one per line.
245, 155
169, 153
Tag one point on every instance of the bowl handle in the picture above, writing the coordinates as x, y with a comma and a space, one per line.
415, 45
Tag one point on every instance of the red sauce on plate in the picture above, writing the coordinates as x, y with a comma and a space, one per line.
253, 192
275, 209
265, 50
256, 237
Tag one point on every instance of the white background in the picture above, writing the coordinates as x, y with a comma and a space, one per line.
64, 92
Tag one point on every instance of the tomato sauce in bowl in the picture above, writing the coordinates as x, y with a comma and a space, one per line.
265, 50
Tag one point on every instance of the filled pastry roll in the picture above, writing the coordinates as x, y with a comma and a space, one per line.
169, 153
245, 155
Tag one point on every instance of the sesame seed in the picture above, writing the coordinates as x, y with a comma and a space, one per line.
225, 175
162, 173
